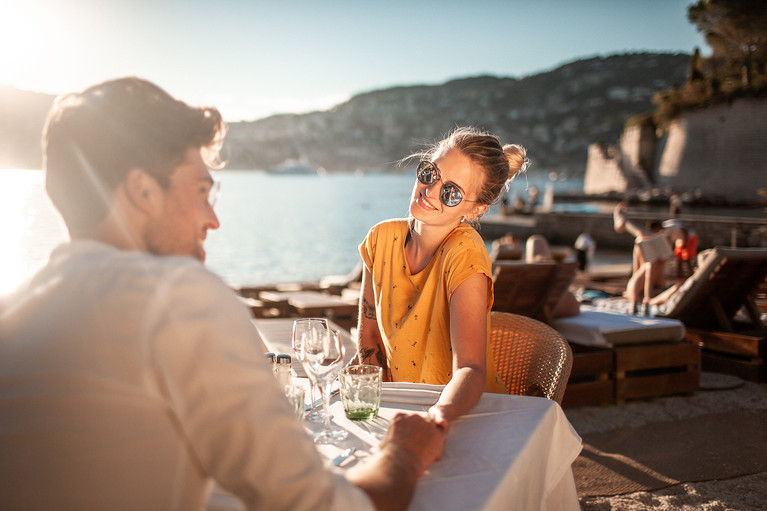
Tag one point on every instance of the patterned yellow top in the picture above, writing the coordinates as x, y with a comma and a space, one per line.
414, 310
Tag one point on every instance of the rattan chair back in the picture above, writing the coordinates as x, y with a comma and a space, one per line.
532, 358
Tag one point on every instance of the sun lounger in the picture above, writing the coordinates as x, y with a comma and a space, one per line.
531, 289
725, 281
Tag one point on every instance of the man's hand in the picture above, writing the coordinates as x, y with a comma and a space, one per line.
418, 435
412, 443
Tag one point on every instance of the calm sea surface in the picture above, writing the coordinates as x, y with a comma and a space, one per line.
289, 228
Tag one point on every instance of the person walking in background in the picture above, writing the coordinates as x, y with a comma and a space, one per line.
585, 246
427, 281
131, 376
675, 205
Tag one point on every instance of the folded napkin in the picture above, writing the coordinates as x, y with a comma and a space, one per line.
410, 393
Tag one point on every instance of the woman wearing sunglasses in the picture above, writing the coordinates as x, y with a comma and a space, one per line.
427, 282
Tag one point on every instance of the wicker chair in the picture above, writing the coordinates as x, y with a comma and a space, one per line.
532, 358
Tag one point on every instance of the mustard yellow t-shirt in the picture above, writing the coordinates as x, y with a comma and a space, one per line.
414, 310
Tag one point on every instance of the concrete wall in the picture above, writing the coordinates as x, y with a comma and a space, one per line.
605, 174
718, 153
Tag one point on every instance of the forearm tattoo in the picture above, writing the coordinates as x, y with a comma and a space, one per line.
368, 310
372, 355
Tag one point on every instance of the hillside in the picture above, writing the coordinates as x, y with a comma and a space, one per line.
22, 115
555, 114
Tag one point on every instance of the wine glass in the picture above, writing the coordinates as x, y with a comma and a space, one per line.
324, 356
306, 328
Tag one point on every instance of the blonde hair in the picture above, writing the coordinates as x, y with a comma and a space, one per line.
500, 163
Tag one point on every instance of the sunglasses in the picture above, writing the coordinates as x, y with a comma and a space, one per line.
450, 195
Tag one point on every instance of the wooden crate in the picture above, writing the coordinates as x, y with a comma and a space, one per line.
654, 370
741, 354
590, 381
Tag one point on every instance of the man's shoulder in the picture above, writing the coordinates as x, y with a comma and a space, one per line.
122, 264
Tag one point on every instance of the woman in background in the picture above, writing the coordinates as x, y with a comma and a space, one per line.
427, 281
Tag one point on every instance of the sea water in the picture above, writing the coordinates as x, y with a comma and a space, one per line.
274, 228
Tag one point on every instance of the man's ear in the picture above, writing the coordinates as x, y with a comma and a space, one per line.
142, 190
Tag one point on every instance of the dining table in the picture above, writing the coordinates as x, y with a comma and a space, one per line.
312, 303
508, 453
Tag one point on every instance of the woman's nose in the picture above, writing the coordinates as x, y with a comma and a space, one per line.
436, 185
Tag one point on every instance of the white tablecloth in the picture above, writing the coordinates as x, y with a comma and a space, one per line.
508, 453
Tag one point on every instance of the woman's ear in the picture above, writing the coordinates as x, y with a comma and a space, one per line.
477, 210
142, 190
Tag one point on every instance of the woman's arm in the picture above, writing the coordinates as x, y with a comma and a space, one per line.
370, 344
468, 336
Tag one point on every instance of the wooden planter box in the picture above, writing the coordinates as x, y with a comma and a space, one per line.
741, 354
655, 370
590, 381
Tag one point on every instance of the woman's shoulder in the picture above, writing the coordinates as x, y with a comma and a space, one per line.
465, 236
393, 225
465, 245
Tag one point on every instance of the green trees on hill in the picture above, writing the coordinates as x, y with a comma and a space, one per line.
736, 30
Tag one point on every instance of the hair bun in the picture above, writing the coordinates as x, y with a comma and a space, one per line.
516, 155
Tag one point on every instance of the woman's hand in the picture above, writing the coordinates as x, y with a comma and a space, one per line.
440, 416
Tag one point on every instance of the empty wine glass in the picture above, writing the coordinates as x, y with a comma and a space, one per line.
324, 355
303, 329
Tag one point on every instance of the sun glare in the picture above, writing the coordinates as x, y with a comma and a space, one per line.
22, 41
29, 227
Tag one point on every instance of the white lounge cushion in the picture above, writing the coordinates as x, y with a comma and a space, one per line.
603, 328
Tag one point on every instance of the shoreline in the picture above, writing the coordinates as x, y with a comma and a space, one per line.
562, 228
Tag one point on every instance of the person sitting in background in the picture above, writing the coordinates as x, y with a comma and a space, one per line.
132, 376
537, 249
532, 199
506, 248
519, 205
427, 283
640, 278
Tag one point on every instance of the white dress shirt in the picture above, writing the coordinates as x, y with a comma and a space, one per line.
131, 381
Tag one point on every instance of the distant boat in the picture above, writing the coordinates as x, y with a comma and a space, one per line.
293, 166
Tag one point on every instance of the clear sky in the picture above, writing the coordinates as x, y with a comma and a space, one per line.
253, 58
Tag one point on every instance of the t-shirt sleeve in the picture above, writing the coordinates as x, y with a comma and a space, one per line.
367, 248
369, 245
466, 257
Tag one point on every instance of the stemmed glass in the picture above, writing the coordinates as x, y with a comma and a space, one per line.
323, 359
307, 328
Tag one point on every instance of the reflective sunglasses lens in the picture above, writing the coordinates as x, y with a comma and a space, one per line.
450, 195
426, 173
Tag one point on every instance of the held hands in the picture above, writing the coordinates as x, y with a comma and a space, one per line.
418, 435
440, 416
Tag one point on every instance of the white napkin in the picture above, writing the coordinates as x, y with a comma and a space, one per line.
410, 393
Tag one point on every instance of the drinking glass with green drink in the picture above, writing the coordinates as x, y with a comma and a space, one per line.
361, 391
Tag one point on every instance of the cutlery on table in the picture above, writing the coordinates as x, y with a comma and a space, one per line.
345, 455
